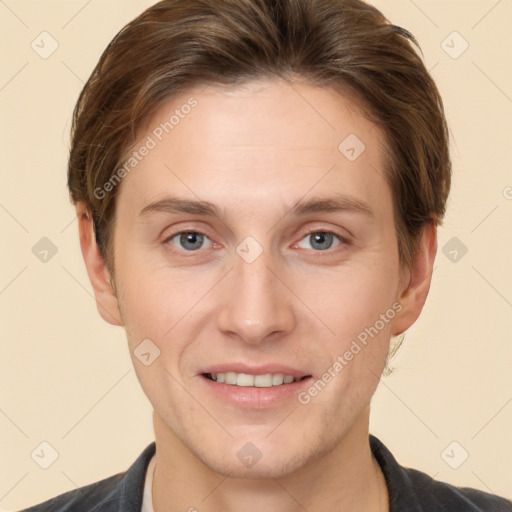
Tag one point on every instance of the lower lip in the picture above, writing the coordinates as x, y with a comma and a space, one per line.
250, 397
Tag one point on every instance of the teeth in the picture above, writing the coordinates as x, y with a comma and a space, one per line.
277, 379
260, 381
230, 378
263, 381
243, 379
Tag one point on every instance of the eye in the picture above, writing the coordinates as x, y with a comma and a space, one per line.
188, 240
320, 240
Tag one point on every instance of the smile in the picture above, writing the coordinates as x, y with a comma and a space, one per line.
266, 380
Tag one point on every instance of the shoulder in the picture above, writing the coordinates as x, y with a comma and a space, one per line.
411, 490
94, 497
122, 492
441, 496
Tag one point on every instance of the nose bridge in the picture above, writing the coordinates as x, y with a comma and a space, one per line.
256, 304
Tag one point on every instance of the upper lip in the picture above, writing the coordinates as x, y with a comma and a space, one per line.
255, 369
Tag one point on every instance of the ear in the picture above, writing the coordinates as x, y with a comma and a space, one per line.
106, 298
416, 281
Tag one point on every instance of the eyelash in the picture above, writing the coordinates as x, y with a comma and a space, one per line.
342, 240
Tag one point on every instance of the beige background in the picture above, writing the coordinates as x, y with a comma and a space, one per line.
66, 376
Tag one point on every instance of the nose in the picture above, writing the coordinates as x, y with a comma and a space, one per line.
256, 305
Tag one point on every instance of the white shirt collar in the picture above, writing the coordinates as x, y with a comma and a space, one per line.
147, 497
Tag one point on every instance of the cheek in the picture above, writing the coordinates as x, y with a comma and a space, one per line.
358, 307
353, 299
149, 304
162, 304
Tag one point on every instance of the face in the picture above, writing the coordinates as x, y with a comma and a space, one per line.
252, 250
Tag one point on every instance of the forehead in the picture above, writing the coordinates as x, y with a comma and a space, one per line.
262, 139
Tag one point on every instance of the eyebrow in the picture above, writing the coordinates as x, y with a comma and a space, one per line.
177, 205
336, 203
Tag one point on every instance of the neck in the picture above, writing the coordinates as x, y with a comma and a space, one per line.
348, 478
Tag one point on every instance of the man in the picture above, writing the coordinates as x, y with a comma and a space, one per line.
258, 185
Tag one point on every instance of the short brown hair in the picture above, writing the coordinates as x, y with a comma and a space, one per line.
346, 45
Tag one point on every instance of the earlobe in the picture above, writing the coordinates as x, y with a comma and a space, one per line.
99, 275
419, 276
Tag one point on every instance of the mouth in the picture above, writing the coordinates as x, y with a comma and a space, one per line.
264, 388
265, 380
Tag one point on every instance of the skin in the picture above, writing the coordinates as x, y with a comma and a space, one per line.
255, 151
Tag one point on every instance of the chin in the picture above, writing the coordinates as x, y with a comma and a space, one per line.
260, 457
270, 466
